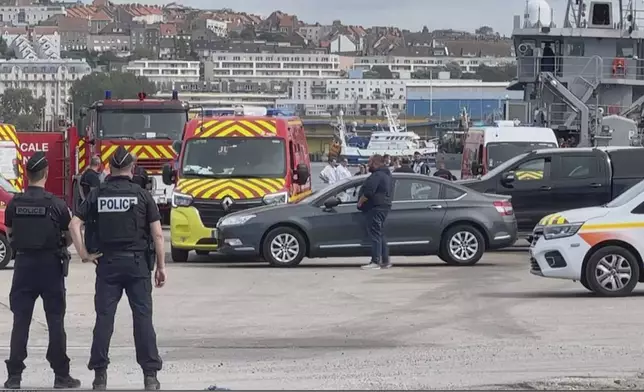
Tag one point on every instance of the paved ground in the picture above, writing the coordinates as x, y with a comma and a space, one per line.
330, 325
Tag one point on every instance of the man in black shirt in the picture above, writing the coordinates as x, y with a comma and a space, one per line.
405, 166
444, 173
91, 177
375, 201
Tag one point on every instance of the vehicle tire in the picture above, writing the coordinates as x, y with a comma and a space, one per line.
179, 255
203, 252
284, 247
612, 271
6, 254
462, 245
585, 284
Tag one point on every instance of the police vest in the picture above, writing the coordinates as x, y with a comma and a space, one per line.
117, 218
34, 226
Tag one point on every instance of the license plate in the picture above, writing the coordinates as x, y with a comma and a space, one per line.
214, 233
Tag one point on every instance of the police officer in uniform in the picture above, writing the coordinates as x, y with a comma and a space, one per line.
38, 223
124, 216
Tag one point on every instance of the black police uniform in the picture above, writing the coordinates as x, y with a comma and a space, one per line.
121, 212
90, 179
140, 177
37, 220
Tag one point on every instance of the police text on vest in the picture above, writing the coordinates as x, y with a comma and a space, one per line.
31, 211
116, 204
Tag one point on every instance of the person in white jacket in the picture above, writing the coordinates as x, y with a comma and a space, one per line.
343, 169
329, 175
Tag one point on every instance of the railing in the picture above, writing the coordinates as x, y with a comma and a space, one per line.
593, 69
557, 113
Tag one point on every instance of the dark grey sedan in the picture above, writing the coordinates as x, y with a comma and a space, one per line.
429, 216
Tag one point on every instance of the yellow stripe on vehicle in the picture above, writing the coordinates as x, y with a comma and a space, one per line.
299, 196
613, 226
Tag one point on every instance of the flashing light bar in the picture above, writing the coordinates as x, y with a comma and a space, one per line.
175, 95
108, 94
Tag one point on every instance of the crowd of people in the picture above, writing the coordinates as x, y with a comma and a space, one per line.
334, 171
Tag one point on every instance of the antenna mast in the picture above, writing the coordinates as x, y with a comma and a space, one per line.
575, 14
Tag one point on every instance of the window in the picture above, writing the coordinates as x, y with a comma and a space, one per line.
532, 170
577, 167
409, 190
349, 195
452, 193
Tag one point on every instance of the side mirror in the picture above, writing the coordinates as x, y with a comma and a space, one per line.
508, 177
302, 173
477, 169
168, 174
176, 146
331, 202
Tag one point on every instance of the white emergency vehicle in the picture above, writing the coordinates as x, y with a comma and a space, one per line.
601, 247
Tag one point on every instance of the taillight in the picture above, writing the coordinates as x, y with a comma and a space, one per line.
504, 207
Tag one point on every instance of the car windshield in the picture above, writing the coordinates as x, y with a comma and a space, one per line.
499, 152
503, 167
7, 186
142, 124
235, 157
627, 196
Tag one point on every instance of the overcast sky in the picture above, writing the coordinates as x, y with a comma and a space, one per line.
412, 14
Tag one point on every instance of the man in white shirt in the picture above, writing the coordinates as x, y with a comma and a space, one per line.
343, 170
329, 174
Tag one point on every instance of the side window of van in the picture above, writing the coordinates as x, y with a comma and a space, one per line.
292, 154
533, 170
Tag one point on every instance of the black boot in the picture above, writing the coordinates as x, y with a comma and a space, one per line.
151, 382
66, 382
13, 381
100, 380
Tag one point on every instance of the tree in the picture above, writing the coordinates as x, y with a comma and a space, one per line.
20, 108
143, 53
425, 30
378, 72
496, 74
248, 33
454, 69
484, 30
92, 87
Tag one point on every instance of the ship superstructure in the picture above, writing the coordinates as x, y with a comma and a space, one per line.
586, 76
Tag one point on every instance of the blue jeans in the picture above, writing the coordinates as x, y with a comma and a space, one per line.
375, 225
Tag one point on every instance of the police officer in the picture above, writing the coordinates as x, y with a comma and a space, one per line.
124, 216
38, 223
141, 177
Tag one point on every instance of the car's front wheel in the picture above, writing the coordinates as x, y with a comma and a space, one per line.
5, 251
462, 245
284, 247
612, 271
179, 255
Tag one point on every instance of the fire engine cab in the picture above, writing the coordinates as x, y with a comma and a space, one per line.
145, 127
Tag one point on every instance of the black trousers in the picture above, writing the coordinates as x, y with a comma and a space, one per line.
375, 226
38, 275
115, 273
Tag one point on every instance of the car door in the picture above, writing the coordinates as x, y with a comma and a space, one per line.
341, 227
416, 213
579, 180
531, 190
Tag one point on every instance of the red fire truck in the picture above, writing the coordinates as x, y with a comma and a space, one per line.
146, 127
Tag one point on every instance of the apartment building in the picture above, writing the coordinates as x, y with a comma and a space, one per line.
29, 15
47, 78
403, 67
273, 66
166, 71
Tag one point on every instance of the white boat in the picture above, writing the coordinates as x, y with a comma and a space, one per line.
397, 141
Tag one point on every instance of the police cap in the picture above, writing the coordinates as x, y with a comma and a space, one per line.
121, 158
37, 162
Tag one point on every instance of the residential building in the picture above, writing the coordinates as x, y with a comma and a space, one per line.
402, 66
279, 22
46, 78
207, 48
143, 14
114, 37
166, 71
74, 32
214, 99
33, 42
271, 66
29, 15
315, 33
218, 27
281, 88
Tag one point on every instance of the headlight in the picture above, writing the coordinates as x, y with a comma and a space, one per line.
561, 231
235, 220
276, 198
181, 200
